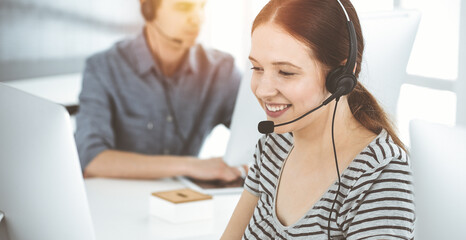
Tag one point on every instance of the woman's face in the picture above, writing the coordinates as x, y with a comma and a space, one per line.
286, 80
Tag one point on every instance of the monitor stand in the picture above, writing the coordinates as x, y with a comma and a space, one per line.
3, 233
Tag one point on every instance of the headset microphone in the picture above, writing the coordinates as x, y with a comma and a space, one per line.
266, 127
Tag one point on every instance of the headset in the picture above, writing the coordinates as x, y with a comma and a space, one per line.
343, 77
339, 82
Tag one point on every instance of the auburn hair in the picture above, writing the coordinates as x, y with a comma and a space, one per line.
321, 25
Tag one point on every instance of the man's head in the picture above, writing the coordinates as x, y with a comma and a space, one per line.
178, 20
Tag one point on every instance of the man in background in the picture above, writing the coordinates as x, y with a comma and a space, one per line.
148, 103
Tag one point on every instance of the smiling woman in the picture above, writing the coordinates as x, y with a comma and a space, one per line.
291, 190
285, 80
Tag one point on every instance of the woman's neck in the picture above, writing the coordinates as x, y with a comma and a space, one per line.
316, 139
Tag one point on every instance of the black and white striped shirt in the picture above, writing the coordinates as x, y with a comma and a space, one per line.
375, 201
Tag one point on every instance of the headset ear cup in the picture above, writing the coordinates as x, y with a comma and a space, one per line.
337, 78
348, 82
332, 79
148, 11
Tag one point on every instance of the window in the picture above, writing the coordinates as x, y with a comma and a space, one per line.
48, 37
435, 51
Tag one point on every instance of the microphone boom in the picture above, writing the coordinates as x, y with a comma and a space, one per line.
266, 127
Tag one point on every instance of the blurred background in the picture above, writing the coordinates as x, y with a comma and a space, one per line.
44, 43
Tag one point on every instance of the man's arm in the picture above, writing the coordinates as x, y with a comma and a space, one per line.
96, 144
119, 164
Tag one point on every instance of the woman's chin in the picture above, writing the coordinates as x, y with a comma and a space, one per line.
282, 130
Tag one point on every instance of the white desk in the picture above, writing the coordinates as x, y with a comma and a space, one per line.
62, 89
120, 210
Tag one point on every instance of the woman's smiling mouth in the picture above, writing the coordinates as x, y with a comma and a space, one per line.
275, 110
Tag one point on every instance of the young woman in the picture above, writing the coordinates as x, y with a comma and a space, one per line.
293, 190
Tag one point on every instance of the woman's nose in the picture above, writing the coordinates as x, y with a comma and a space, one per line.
264, 87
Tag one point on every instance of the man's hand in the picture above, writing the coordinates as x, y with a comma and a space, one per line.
212, 169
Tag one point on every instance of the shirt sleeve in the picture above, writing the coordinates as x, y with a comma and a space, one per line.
251, 183
94, 132
384, 206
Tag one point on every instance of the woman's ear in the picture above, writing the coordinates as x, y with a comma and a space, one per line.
355, 65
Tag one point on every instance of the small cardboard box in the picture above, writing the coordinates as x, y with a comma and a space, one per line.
181, 205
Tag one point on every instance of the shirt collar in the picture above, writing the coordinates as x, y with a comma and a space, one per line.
141, 53
192, 61
144, 61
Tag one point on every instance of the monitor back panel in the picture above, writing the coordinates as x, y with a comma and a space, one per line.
42, 191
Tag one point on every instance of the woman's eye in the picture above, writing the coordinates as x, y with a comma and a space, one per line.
286, 73
256, 69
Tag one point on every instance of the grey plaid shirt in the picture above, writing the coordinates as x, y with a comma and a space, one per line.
127, 104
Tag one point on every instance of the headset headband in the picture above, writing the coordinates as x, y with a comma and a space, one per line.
353, 49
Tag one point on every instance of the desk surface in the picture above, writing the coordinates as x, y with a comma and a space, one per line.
62, 89
120, 210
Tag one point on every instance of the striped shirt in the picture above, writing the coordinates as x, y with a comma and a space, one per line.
375, 201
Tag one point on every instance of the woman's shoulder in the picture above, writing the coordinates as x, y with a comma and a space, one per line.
381, 152
381, 159
381, 181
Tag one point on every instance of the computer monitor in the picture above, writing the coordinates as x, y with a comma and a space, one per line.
389, 37
42, 193
438, 160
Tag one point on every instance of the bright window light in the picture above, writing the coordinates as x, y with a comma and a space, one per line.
435, 50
